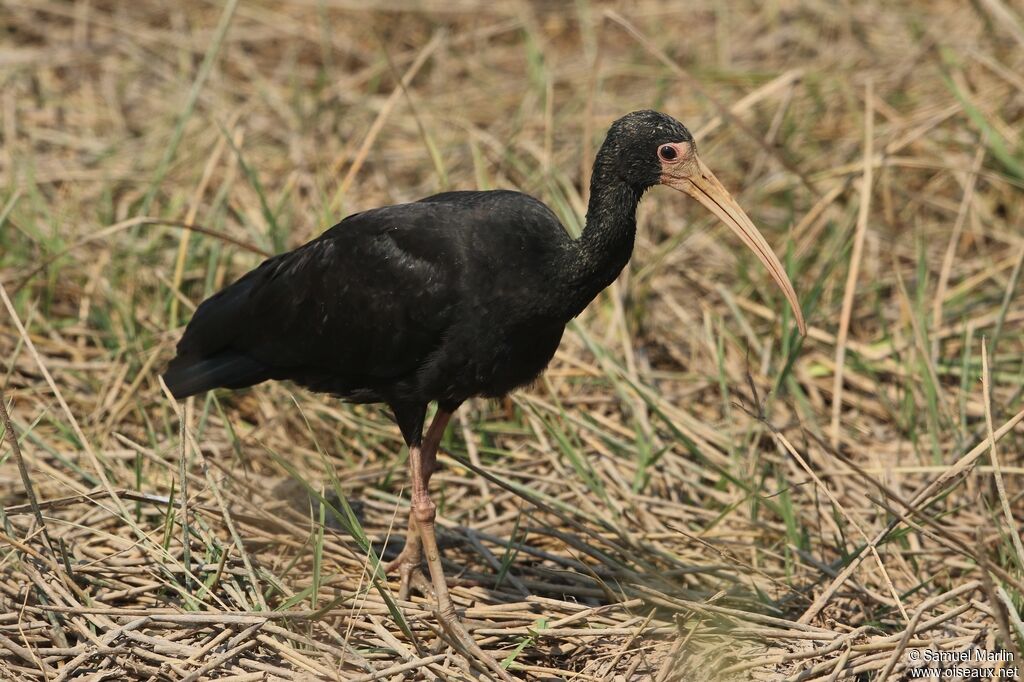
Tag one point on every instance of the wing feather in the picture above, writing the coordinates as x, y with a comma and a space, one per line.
364, 303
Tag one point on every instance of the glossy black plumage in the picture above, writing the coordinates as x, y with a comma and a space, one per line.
456, 295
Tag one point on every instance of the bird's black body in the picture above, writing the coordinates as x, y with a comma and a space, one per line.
456, 295
407, 304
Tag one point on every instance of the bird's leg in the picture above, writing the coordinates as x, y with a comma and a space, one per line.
421, 465
409, 559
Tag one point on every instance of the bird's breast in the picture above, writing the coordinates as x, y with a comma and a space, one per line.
491, 359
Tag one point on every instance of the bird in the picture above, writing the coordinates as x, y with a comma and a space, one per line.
458, 295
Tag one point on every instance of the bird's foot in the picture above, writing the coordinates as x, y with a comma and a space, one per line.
469, 648
409, 564
411, 577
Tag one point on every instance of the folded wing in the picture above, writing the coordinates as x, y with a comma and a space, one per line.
352, 312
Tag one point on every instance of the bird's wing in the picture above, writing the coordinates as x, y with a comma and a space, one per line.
369, 299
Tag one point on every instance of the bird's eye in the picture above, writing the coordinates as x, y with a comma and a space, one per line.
668, 153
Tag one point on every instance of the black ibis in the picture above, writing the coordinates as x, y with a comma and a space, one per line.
457, 295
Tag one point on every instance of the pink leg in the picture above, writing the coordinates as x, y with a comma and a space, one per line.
409, 559
421, 464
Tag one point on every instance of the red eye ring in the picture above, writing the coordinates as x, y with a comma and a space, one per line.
667, 152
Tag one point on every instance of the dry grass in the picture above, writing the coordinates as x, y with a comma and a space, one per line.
689, 494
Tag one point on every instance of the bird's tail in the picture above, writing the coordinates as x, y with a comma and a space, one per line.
189, 375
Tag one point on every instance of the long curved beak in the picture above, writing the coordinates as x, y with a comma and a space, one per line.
700, 183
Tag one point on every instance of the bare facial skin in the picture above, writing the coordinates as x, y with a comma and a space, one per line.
683, 170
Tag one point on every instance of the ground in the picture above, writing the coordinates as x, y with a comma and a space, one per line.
692, 492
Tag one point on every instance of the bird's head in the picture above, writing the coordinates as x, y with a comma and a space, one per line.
647, 148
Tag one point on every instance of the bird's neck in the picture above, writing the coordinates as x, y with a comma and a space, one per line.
603, 249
